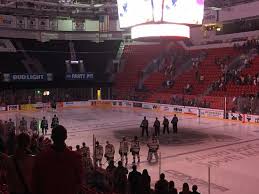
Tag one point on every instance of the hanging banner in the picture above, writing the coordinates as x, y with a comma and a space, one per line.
39, 77
21, 22
32, 23
79, 76
53, 24
104, 23
43, 24
7, 21
78, 24
210, 16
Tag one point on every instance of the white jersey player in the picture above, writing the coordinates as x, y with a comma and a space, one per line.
86, 158
124, 149
34, 126
11, 126
85, 151
55, 121
23, 125
109, 151
153, 147
134, 149
98, 154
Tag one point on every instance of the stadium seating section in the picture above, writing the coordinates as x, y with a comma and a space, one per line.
136, 57
235, 90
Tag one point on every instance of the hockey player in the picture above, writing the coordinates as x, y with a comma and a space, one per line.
23, 125
174, 122
53, 105
54, 122
85, 151
134, 149
166, 125
44, 126
11, 126
157, 127
34, 126
144, 126
109, 151
153, 147
98, 154
86, 158
124, 149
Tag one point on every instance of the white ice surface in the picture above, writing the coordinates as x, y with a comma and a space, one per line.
231, 149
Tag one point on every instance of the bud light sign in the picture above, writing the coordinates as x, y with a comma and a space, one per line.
26, 77
79, 76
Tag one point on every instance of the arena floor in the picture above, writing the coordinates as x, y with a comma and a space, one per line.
229, 148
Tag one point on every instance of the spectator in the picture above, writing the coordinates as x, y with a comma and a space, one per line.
57, 169
201, 79
194, 189
34, 147
78, 150
134, 181
3, 163
186, 189
120, 179
161, 186
11, 142
171, 188
188, 89
110, 172
145, 182
20, 167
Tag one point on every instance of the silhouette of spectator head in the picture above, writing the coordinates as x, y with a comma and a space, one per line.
162, 176
119, 163
22, 118
175, 115
144, 118
10, 120
134, 168
77, 147
145, 172
44, 117
111, 163
83, 144
156, 118
185, 187
136, 138
59, 135
171, 184
107, 142
55, 115
194, 188
23, 141
97, 143
2, 145
124, 138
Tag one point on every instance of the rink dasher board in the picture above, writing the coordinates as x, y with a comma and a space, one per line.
136, 105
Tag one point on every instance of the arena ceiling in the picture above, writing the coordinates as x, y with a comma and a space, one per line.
225, 3
81, 8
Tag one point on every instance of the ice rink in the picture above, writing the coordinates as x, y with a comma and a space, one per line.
222, 153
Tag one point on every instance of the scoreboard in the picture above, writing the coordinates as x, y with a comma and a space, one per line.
135, 12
